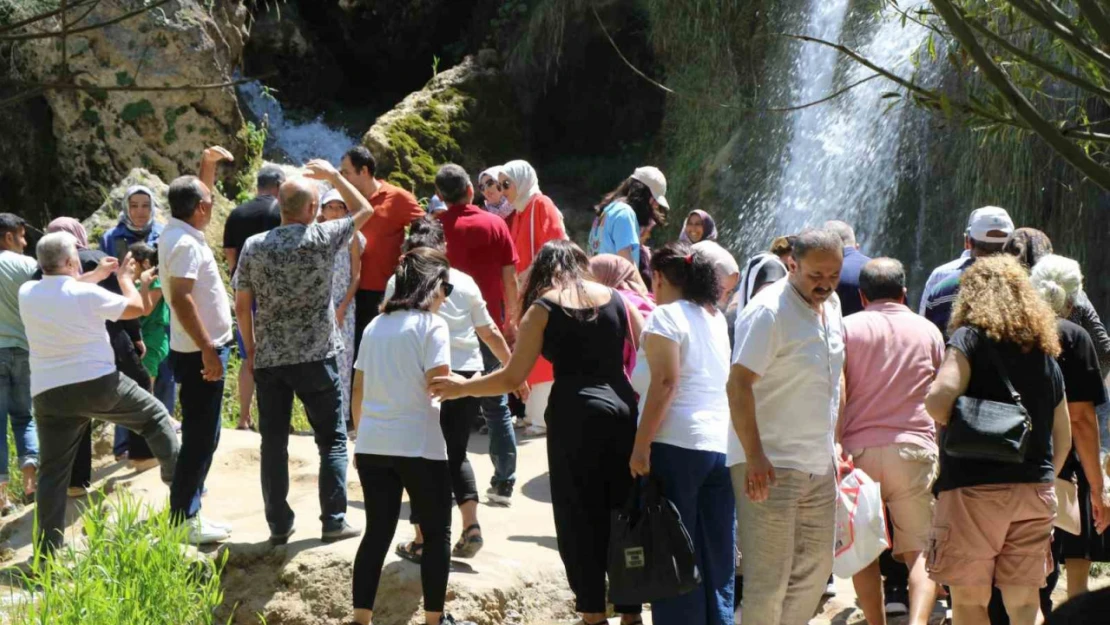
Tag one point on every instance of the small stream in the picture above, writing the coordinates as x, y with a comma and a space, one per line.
288, 141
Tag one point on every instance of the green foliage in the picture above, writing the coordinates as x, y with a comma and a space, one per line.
170, 115
135, 569
254, 138
134, 111
420, 143
123, 79
90, 117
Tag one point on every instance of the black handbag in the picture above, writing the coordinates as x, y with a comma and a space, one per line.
981, 429
651, 556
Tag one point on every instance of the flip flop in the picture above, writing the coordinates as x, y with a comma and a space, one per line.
469, 544
411, 551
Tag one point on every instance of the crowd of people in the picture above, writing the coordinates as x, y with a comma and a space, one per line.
744, 390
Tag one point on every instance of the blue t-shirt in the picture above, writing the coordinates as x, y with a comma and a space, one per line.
938, 302
616, 229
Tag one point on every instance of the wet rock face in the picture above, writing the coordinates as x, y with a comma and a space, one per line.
466, 115
100, 135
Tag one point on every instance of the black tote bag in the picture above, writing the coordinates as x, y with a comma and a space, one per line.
651, 556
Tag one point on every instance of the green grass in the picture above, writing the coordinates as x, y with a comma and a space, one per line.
133, 569
230, 414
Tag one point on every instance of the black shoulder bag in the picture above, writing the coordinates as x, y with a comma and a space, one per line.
981, 429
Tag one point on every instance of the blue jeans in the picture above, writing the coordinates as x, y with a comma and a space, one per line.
502, 438
15, 401
317, 385
201, 405
699, 485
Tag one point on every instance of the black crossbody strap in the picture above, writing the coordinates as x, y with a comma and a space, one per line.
1001, 367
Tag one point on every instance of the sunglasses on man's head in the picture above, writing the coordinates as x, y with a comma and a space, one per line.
448, 289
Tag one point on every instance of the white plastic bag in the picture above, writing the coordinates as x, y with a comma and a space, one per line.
861, 534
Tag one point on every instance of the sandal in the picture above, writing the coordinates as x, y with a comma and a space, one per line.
411, 551
469, 544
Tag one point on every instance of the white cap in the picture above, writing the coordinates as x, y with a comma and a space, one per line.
332, 195
989, 219
654, 180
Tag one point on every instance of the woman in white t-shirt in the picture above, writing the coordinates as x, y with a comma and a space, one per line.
468, 321
682, 438
400, 444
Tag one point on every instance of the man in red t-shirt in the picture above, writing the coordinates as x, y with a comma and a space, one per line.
479, 245
394, 209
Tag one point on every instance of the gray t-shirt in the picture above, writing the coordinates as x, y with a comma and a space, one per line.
15, 269
289, 272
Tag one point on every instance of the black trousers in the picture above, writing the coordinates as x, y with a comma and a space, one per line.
383, 478
590, 434
455, 417
367, 304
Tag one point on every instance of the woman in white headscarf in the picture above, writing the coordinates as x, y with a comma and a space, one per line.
344, 285
535, 221
496, 201
760, 270
137, 222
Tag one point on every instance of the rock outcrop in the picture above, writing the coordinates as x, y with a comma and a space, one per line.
466, 115
100, 134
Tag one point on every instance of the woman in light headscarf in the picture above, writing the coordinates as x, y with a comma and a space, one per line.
535, 221
495, 200
760, 270
698, 227
137, 222
617, 272
344, 285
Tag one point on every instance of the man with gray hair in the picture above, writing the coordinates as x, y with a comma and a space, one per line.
74, 376
255, 216
854, 260
892, 357
200, 338
784, 395
292, 339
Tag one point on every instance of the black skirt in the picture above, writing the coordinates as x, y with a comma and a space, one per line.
1089, 545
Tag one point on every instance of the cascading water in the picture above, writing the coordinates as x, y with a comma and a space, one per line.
290, 141
840, 160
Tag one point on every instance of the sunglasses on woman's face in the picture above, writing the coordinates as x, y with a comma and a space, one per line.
448, 289
506, 184
489, 183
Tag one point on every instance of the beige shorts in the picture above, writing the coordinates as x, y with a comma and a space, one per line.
905, 474
993, 535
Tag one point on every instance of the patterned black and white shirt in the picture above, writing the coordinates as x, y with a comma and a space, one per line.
289, 272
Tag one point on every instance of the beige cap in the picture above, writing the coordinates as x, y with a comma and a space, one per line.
654, 180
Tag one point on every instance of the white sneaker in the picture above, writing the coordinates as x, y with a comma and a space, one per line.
830, 589
201, 532
535, 430
220, 525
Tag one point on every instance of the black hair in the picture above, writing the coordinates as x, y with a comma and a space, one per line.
425, 232
452, 182
142, 251
270, 176
882, 278
690, 271
418, 275
637, 195
1086, 609
185, 195
11, 223
361, 157
558, 264
814, 239
985, 248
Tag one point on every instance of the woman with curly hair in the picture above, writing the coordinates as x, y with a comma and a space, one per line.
993, 520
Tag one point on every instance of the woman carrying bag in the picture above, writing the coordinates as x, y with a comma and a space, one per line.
682, 438
996, 503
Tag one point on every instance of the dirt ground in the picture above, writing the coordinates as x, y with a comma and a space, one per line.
517, 579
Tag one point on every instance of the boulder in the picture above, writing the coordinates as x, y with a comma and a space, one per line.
466, 115
100, 135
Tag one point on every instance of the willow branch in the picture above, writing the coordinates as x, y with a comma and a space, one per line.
1025, 110
83, 29
63, 86
1065, 31
41, 17
1034, 60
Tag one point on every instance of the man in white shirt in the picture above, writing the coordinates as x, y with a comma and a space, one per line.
200, 339
784, 396
74, 377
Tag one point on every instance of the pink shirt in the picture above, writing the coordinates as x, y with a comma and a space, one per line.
892, 355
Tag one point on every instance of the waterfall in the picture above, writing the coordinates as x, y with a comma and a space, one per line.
290, 141
840, 161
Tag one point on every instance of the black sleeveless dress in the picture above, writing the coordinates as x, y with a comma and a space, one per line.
591, 428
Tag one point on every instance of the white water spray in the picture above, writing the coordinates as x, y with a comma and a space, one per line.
297, 142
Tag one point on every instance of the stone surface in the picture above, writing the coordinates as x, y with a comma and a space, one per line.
101, 135
466, 115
